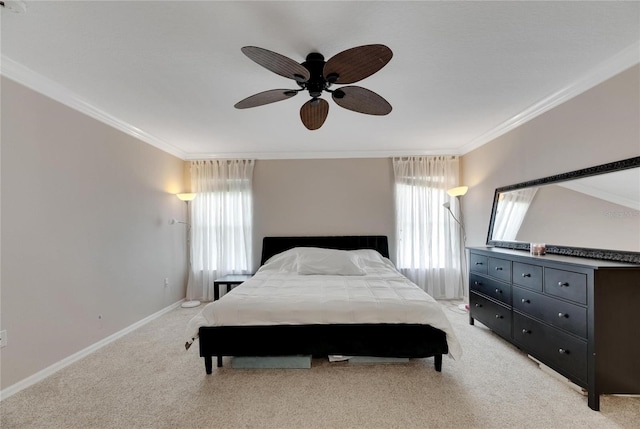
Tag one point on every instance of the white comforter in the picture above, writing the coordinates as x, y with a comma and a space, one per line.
279, 295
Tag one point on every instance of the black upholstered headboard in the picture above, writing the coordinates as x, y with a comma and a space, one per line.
274, 245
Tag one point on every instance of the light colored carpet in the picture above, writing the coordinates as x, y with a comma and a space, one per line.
148, 380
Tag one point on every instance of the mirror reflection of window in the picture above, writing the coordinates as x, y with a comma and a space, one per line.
511, 211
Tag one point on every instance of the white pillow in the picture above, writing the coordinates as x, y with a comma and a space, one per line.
284, 261
328, 262
369, 258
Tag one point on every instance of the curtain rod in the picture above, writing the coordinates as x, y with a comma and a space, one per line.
223, 160
407, 158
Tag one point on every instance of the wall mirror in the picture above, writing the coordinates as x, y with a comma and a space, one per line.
590, 213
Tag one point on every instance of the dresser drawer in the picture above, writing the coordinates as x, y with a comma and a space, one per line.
527, 275
499, 268
493, 315
563, 315
566, 284
478, 263
493, 288
560, 351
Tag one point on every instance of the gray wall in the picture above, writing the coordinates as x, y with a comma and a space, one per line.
596, 127
85, 231
323, 197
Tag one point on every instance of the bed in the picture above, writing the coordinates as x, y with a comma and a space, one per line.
298, 304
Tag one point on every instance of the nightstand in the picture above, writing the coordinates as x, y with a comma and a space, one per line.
229, 280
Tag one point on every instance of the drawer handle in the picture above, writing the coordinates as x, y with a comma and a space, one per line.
498, 291
525, 301
526, 275
498, 268
478, 305
498, 316
563, 351
479, 263
477, 283
565, 284
563, 315
526, 331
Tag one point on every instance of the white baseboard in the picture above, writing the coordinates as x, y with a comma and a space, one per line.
50, 370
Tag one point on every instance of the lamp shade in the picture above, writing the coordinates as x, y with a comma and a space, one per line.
186, 196
458, 192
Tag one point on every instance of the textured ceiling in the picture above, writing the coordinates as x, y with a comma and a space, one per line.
170, 72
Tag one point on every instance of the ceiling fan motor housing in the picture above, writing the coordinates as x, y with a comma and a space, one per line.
316, 83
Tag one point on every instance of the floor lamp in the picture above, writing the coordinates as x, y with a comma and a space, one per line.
187, 197
457, 193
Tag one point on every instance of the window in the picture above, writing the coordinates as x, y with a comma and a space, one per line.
415, 244
429, 245
221, 223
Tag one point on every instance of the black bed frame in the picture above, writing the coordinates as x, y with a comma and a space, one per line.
380, 340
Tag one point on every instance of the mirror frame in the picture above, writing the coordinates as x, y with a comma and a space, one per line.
581, 252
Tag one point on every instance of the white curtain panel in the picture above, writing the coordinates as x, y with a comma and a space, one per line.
430, 248
221, 223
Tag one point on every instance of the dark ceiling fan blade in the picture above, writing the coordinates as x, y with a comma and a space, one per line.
265, 97
277, 63
357, 63
314, 112
361, 100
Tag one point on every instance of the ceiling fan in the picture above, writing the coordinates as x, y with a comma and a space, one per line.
317, 76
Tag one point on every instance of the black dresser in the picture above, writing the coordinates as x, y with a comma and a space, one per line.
580, 317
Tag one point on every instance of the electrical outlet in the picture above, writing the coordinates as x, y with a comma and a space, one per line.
3, 338
166, 282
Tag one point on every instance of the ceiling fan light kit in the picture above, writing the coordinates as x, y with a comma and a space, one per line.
316, 76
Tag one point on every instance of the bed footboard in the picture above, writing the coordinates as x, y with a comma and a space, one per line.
381, 340
208, 363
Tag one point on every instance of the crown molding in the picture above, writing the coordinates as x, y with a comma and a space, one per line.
319, 155
35, 81
620, 62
